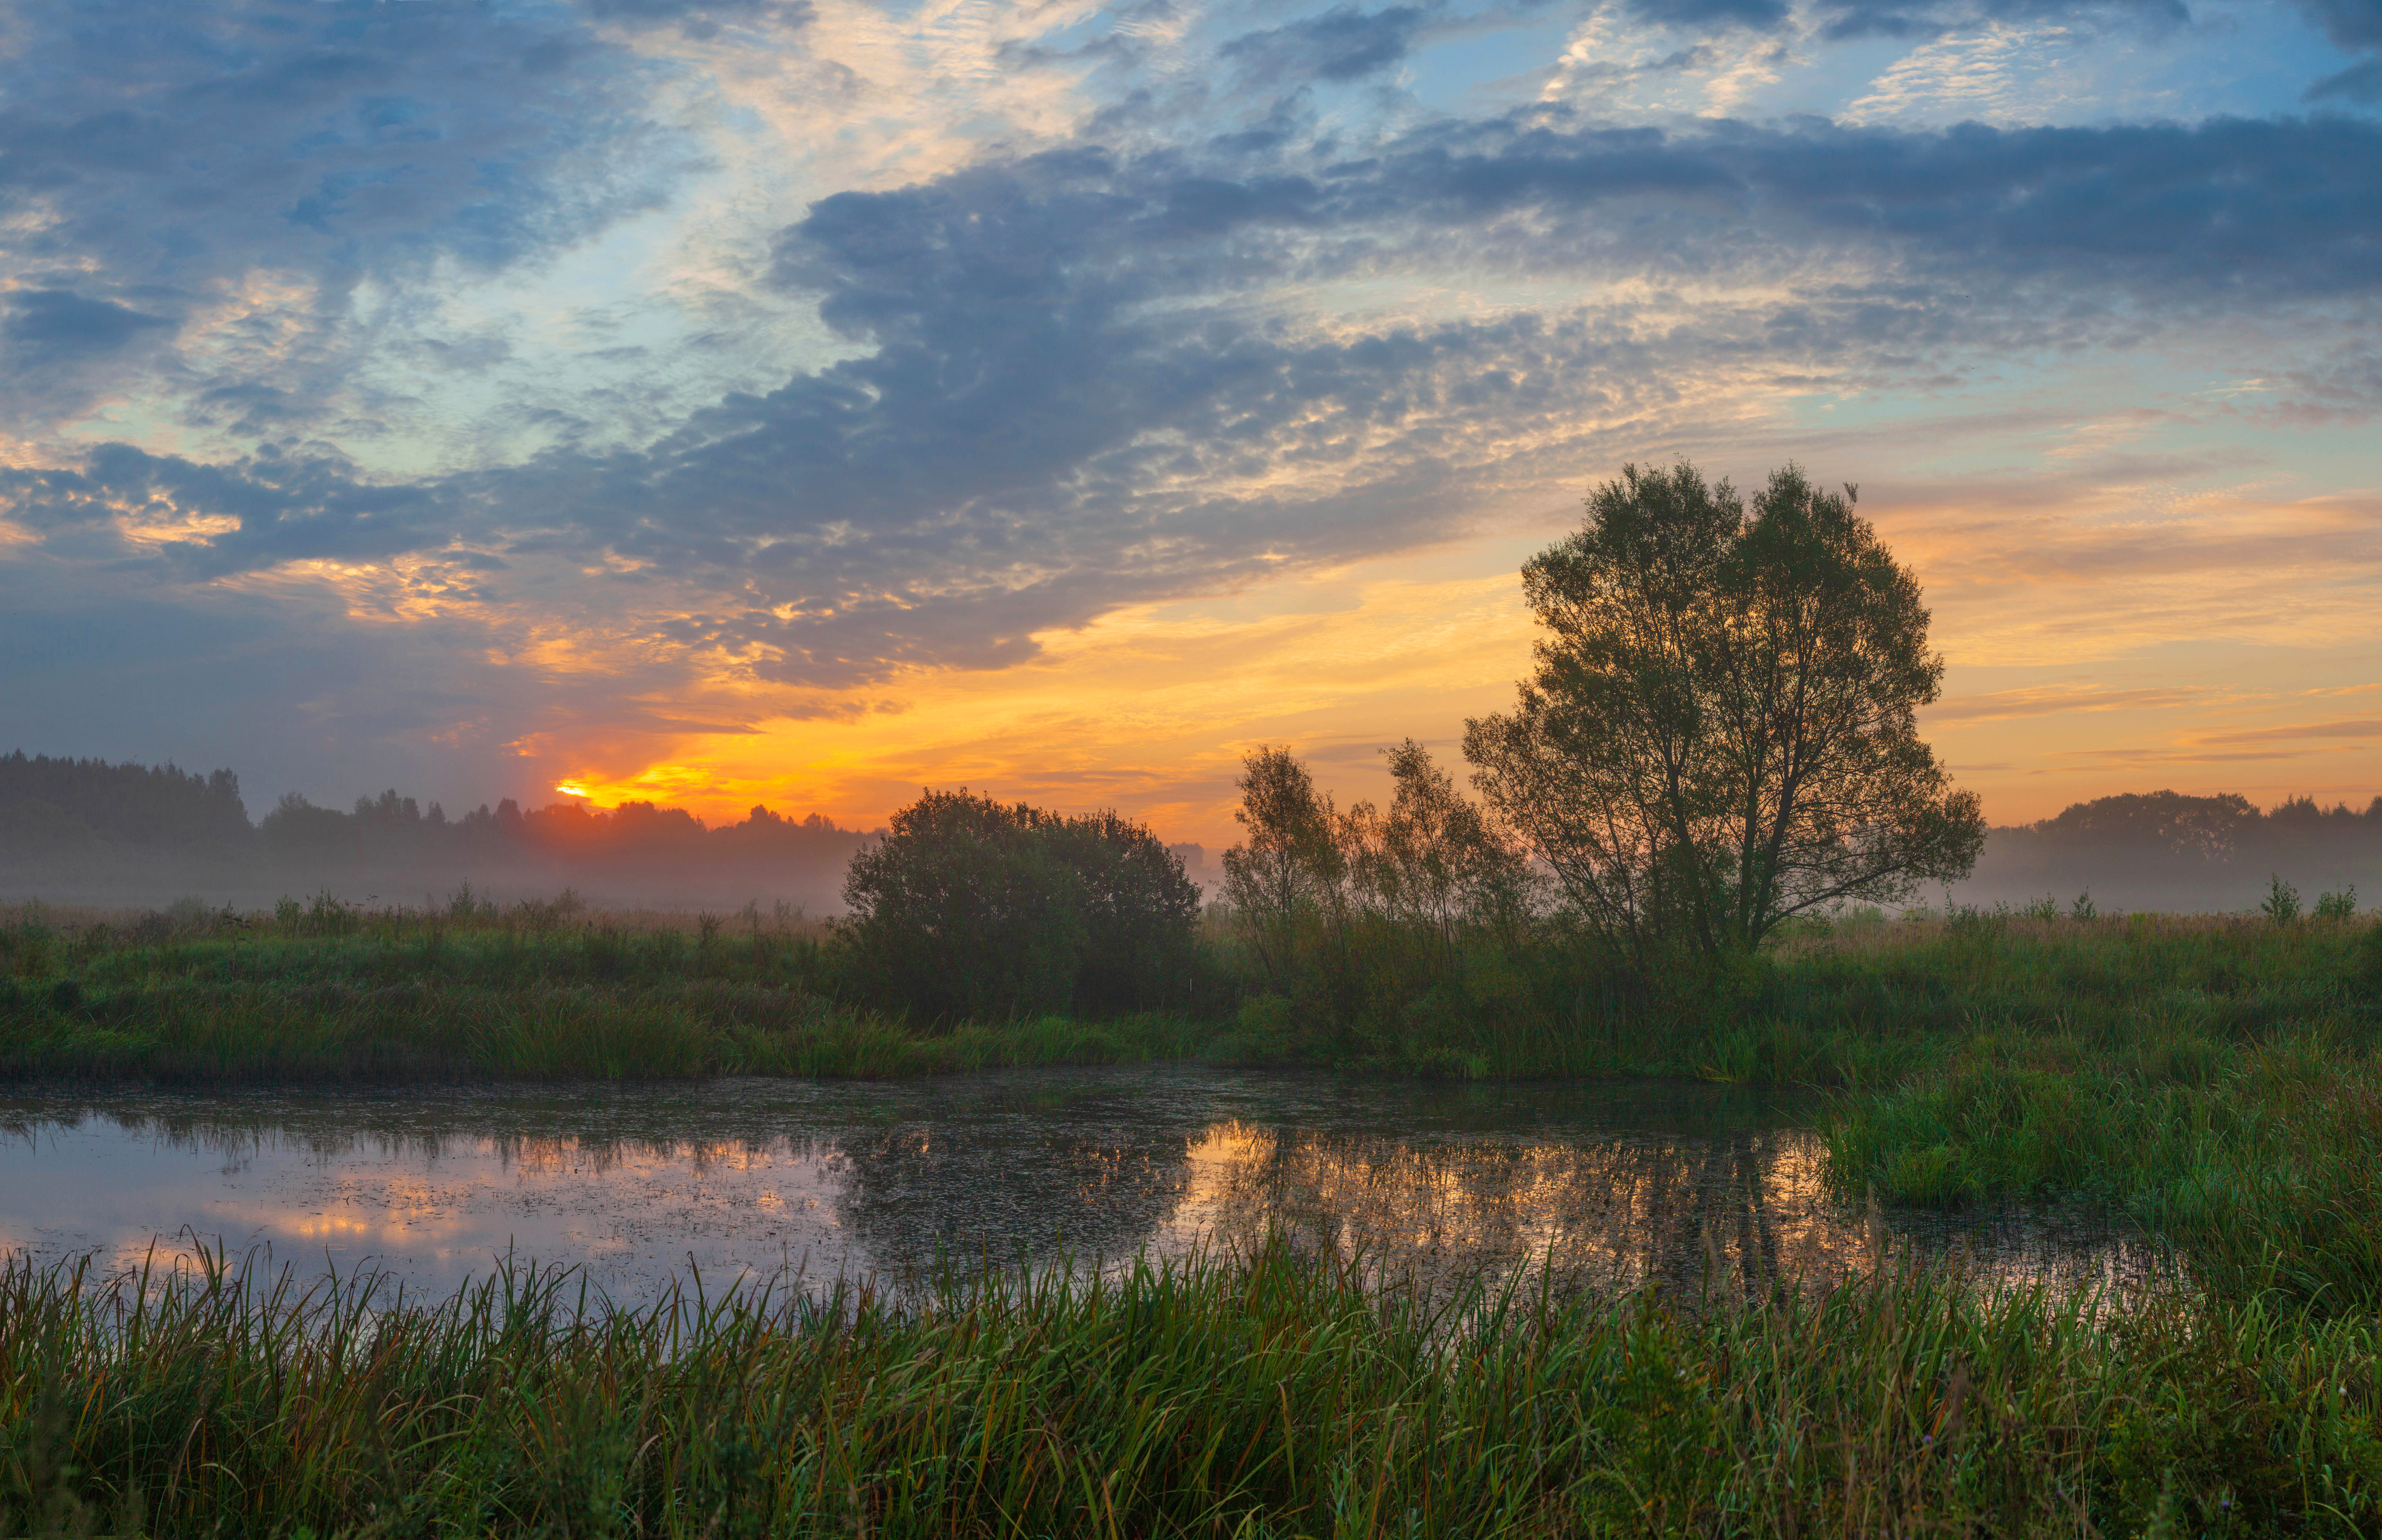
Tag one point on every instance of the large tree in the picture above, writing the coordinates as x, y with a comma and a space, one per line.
1720, 730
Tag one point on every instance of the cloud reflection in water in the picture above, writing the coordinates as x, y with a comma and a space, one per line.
1615, 1188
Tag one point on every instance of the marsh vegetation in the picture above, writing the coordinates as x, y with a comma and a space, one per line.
1275, 1393
1696, 835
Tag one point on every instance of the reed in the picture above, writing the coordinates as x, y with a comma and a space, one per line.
1262, 1395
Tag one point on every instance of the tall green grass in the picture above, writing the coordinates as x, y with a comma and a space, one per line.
326, 991
2218, 1079
395, 996
1269, 1395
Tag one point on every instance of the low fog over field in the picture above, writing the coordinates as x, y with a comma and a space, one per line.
2165, 850
80, 831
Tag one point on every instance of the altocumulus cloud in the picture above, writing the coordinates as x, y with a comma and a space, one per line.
1068, 381
181, 156
1057, 377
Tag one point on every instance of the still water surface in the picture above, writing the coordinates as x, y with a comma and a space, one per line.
1616, 1185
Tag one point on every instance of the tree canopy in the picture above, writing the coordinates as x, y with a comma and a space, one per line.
972, 908
1720, 730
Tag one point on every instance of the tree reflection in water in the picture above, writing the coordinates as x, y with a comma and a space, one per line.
1750, 1213
1614, 1188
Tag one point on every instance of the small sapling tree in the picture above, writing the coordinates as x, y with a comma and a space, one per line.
1286, 877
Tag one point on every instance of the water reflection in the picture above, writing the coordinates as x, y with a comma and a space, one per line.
1613, 1187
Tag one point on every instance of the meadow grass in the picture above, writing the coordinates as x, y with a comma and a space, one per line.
2218, 1079
407, 997
1267, 1395
544, 990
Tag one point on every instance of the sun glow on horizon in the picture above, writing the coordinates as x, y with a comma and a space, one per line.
1150, 709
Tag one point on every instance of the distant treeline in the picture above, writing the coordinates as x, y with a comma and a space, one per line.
89, 828
2166, 850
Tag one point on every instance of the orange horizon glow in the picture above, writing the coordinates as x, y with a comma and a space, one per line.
2053, 695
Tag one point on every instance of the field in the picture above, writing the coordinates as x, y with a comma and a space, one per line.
2214, 1078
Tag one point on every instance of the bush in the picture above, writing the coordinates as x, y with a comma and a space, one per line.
974, 909
1138, 914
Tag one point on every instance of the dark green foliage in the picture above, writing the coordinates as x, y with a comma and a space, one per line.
965, 908
1719, 733
1271, 1396
1139, 915
51, 807
2218, 1079
1411, 937
971, 908
2369, 958
534, 992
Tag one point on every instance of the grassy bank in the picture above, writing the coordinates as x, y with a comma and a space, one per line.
339, 995
1962, 1010
2218, 1079
1269, 1397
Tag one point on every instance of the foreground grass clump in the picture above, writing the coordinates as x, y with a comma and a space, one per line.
1269, 1396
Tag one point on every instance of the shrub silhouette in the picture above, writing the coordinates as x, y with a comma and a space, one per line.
972, 908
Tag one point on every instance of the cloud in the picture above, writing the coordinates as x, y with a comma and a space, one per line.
1064, 410
1848, 20
266, 511
1065, 405
2351, 23
283, 687
1112, 364
1342, 44
1708, 15
702, 19
2269, 207
190, 152
2004, 705
45, 323
2361, 83
2356, 26
2351, 727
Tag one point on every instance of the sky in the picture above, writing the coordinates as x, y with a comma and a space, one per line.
805, 401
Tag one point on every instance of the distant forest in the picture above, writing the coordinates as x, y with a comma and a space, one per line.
80, 830
2165, 850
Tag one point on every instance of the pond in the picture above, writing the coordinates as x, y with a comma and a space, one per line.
1612, 1185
